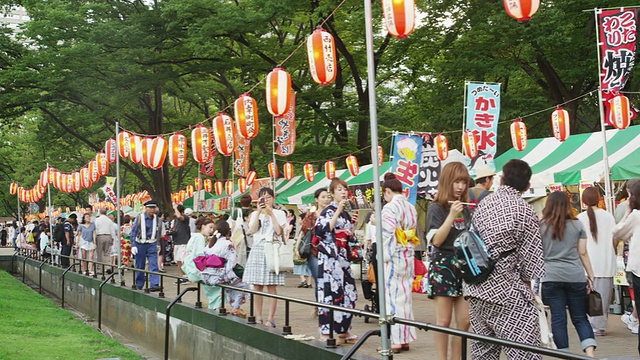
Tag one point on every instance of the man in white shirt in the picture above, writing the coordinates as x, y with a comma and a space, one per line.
192, 222
104, 238
44, 244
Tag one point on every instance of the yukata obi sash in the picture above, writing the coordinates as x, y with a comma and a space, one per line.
406, 236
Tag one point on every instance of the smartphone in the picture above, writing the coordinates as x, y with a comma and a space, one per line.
261, 202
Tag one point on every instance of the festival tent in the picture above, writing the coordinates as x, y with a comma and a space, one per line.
294, 194
579, 157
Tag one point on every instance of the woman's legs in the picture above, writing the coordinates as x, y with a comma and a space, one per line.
444, 310
90, 257
83, 264
576, 293
461, 307
271, 289
553, 295
258, 303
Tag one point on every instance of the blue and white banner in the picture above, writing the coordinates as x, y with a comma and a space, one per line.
482, 113
407, 151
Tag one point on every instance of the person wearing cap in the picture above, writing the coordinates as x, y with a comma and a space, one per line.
188, 212
145, 233
484, 181
69, 230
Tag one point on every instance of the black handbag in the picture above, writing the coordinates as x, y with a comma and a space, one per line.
594, 304
304, 245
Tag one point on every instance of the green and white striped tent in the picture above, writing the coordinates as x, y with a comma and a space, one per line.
580, 157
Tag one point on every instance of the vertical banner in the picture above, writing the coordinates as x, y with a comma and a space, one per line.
241, 156
429, 169
257, 185
618, 33
583, 184
107, 189
285, 130
482, 113
208, 168
406, 163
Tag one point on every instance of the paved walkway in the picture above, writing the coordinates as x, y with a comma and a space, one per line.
618, 343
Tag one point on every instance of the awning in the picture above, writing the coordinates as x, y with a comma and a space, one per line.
580, 157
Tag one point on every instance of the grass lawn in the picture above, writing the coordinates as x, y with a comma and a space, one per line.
32, 327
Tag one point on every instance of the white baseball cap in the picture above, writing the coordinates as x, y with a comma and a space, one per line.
188, 211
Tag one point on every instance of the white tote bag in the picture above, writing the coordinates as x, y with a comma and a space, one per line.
546, 337
279, 256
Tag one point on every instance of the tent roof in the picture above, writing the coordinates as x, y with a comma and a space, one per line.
579, 157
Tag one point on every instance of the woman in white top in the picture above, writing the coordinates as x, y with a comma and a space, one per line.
599, 224
264, 223
628, 230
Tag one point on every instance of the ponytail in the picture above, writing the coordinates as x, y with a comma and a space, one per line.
590, 197
593, 225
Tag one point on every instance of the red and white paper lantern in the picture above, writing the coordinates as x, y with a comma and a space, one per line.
13, 188
399, 17
246, 114
380, 155
521, 10
146, 150
251, 177
560, 124
441, 144
469, 144
330, 169
219, 187
197, 182
111, 149
321, 53
93, 170
124, 144
619, 112
278, 92
208, 185
242, 185
201, 144
273, 170
85, 177
309, 173
228, 187
224, 134
157, 153
352, 165
102, 163
177, 150
519, 135
189, 191
287, 169
77, 181
135, 151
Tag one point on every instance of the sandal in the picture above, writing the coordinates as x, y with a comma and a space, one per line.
349, 339
270, 323
239, 313
394, 349
404, 347
259, 321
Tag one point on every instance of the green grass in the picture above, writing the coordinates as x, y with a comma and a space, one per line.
32, 327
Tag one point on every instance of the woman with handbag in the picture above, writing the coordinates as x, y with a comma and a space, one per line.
399, 220
195, 248
335, 283
265, 224
564, 244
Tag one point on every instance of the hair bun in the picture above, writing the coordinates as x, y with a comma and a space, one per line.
389, 176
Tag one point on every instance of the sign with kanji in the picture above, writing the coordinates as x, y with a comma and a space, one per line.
241, 158
285, 130
482, 113
618, 33
429, 169
407, 151
207, 168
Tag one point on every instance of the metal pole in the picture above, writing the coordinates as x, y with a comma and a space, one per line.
20, 224
49, 208
233, 181
608, 194
273, 154
117, 242
371, 84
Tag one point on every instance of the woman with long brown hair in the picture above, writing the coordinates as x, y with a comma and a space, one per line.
599, 225
447, 217
564, 244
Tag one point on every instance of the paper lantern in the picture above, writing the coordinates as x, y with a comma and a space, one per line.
146, 149
246, 114
44, 177
352, 165
219, 187
77, 181
13, 188
380, 155
69, 183
201, 144
469, 144
251, 177
102, 163
228, 187
197, 182
93, 171
278, 91
156, 152
521, 10
135, 152
189, 190
52, 174
619, 112
85, 178
111, 149
309, 172
208, 185
330, 169
224, 134
242, 184
177, 150
287, 169
57, 180
519, 135
560, 124
399, 17
182, 195
273, 170
124, 144
321, 53
442, 146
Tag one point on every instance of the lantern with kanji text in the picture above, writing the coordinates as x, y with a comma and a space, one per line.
399, 17
560, 124
287, 169
201, 144
321, 53
278, 92
352, 165
442, 146
111, 150
469, 144
521, 10
273, 170
246, 113
102, 164
85, 178
519, 135
224, 134
124, 144
619, 112
93, 170
330, 169
177, 150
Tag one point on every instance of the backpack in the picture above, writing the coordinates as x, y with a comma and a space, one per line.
474, 259
58, 233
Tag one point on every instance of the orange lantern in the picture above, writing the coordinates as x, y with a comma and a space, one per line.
224, 134
189, 190
69, 184
44, 177
157, 152
208, 185
330, 169
287, 169
278, 91
136, 149
321, 53
219, 187
102, 164
201, 144
93, 171
442, 146
399, 17
52, 174
352, 165
619, 112
242, 184
110, 149
228, 187
273, 170
182, 195
519, 135
246, 113
13, 188
146, 149
57, 180
380, 155
521, 10
197, 183
251, 177
85, 178
77, 181
124, 144
177, 150
560, 124
309, 173
469, 144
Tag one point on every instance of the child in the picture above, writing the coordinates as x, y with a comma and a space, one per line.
220, 246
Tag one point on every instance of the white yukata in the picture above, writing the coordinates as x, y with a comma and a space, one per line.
223, 248
398, 266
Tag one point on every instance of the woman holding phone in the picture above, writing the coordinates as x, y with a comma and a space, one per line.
264, 224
